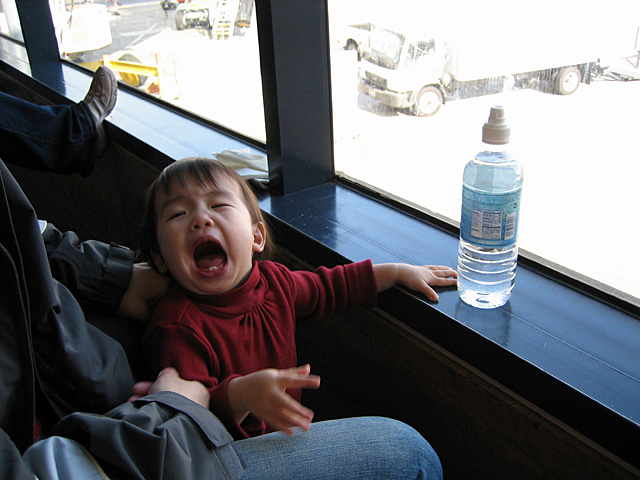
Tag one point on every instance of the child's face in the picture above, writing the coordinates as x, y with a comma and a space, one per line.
206, 236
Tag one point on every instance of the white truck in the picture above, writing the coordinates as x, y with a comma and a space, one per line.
421, 68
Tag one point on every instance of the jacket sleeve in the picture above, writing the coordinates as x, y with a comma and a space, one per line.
96, 273
161, 436
83, 368
79, 367
11, 463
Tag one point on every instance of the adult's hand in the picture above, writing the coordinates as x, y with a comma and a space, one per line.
145, 289
169, 380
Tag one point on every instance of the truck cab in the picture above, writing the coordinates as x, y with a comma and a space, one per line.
404, 71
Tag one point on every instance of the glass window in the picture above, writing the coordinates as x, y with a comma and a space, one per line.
201, 56
410, 104
9, 20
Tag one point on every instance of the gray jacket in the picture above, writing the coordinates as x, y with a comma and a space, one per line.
53, 363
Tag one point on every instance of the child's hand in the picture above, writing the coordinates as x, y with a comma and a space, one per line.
420, 279
423, 278
262, 394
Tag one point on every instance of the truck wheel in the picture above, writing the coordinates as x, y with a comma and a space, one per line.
428, 101
181, 22
567, 81
132, 79
352, 45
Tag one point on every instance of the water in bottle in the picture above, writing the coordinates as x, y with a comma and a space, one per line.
488, 249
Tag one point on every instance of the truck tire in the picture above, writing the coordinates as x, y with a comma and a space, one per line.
567, 81
181, 22
132, 79
428, 101
353, 45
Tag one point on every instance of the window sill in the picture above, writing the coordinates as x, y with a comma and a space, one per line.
567, 353
571, 355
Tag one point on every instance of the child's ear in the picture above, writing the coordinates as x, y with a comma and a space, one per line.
159, 261
259, 237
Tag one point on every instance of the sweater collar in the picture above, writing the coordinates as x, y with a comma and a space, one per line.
239, 300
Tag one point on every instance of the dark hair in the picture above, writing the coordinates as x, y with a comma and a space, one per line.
207, 171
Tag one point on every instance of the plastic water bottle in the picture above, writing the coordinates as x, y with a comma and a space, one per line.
488, 250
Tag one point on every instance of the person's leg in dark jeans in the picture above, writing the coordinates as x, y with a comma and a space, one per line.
67, 136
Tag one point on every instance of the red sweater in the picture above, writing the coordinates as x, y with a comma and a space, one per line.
216, 338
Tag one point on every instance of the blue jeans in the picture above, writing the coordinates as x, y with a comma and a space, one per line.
59, 137
354, 448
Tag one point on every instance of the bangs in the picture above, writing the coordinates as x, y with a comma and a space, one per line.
202, 170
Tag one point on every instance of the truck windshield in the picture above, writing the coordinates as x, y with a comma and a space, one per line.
385, 48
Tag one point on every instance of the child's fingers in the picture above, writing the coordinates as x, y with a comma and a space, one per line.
442, 270
299, 377
430, 293
301, 370
292, 415
439, 276
297, 381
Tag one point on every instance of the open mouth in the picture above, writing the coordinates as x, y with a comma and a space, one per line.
209, 256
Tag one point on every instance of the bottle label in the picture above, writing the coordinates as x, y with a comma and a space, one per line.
490, 220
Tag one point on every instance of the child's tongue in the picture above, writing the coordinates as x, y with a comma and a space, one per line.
210, 261
209, 256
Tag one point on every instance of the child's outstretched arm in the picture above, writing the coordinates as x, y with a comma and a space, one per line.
420, 279
262, 394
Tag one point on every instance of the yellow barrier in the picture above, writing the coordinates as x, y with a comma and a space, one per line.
135, 73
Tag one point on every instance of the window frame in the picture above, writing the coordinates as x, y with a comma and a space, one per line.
299, 157
295, 32
40, 48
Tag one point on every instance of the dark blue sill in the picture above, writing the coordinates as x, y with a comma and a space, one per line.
573, 356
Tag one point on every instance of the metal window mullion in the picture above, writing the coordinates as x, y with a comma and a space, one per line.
294, 57
37, 31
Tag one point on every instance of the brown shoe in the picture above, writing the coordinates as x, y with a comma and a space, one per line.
100, 100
